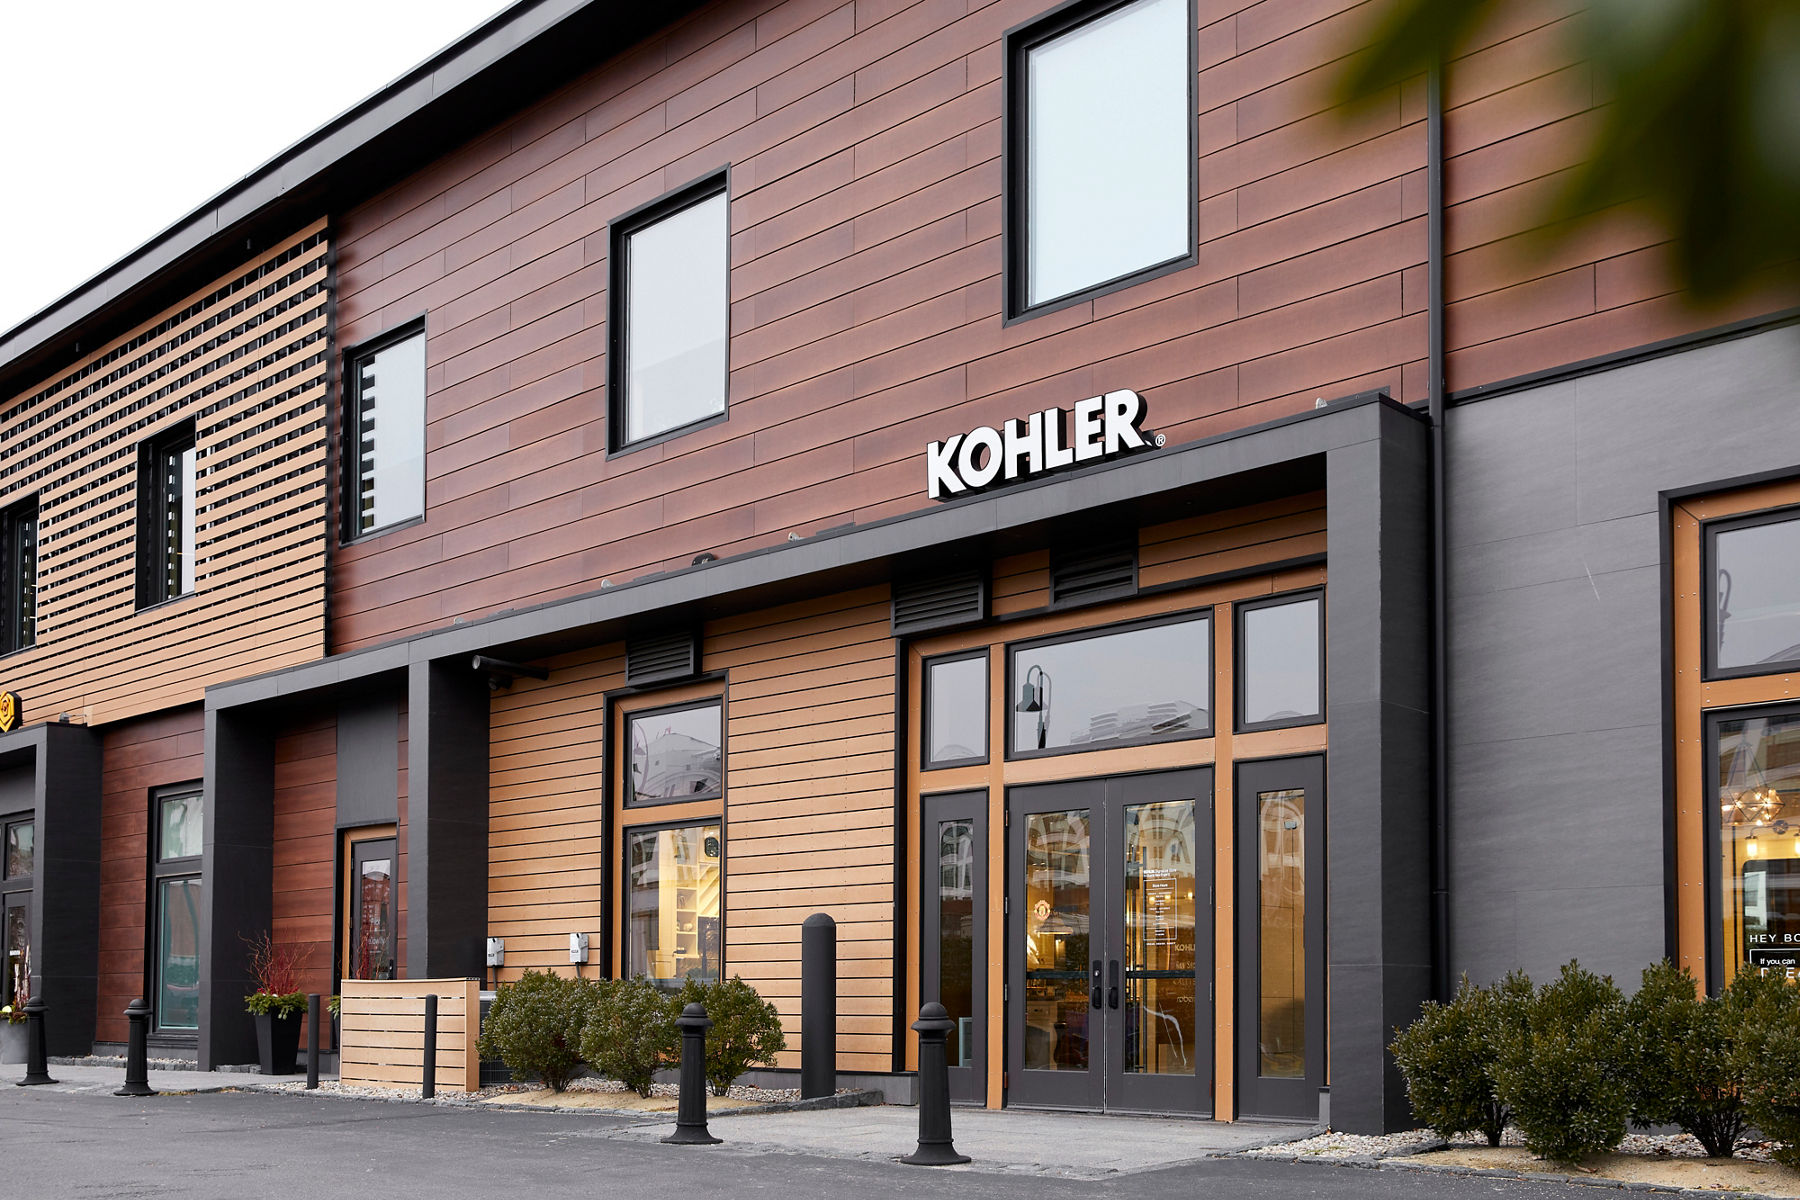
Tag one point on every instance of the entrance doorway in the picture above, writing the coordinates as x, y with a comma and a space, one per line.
372, 906
1109, 903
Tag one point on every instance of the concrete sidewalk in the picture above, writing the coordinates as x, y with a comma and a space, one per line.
1062, 1145
74, 1077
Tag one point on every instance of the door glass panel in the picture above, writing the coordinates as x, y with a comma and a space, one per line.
1159, 938
1056, 940
374, 920
1281, 832
672, 930
21, 851
178, 955
15, 940
1139, 685
956, 935
1759, 844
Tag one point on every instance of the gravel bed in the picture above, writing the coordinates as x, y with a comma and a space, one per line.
118, 1060
1415, 1141
332, 1087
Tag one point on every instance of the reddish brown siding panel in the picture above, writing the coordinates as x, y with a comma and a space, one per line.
864, 143
137, 756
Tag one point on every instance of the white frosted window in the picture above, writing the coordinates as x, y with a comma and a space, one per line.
390, 433
1108, 155
676, 278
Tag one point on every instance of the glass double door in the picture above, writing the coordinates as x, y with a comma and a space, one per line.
1109, 943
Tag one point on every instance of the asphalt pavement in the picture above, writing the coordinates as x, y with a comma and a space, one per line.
67, 1143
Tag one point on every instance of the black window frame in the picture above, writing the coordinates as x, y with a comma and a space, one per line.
713, 183
13, 603
1713, 876
153, 514
10, 882
1018, 42
1709, 610
160, 870
1240, 673
1208, 612
631, 799
626, 832
350, 439
926, 762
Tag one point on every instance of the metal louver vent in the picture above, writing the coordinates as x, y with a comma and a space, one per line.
660, 657
1085, 576
940, 603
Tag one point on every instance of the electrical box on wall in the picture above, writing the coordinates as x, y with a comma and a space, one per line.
578, 948
496, 952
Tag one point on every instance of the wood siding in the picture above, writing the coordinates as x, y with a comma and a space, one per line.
137, 756
245, 359
305, 846
864, 143
384, 1033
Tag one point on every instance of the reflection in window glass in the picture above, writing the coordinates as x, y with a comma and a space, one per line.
956, 934
676, 753
390, 435
672, 901
956, 697
178, 954
1281, 662
677, 289
1756, 589
1140, 685
15, 953
21, 851
374, 955
1281, 857
1759, 844
1159, 938
1056, 940
1107, 154
182, 834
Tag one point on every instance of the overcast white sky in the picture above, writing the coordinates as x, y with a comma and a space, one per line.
117, 117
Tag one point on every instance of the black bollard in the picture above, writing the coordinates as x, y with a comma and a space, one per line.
137, 1053
312, 1041
37, 1048
430, 1088
690, 1110
818, 1006
935, 1148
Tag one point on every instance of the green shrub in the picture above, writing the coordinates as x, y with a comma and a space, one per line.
746, 1029
1564, 1073
631, 1032
535, 1025
1767, 1012
1447, 1057
1685, 1065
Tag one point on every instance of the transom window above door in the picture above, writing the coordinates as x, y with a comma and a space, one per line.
1754, 618
1123, 686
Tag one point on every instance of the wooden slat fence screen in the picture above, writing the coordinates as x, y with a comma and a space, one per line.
382, 1026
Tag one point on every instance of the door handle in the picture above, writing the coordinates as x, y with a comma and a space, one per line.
1095, 998
1112, 991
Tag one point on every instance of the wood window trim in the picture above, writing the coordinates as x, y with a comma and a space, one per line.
1695, 697
1224, 748
347, 841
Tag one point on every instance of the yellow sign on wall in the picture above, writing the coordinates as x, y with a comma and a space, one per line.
12, 711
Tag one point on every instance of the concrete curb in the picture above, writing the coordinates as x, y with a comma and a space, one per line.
857, 1099
1398, 1161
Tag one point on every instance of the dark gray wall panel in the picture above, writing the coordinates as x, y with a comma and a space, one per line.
18, 791
1556, 642
66, 901
446, 820
237, 901
368, 760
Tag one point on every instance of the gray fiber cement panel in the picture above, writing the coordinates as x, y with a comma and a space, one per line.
1556, 641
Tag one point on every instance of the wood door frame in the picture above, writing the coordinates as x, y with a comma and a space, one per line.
353, 903
968, 1085
346, 841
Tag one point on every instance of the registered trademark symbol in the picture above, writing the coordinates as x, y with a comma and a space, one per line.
1160, 439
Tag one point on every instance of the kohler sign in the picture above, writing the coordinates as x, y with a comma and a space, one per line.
1097, 428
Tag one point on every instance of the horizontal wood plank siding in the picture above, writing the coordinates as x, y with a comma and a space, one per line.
383, 1028
136, 757
245, 359
305, 848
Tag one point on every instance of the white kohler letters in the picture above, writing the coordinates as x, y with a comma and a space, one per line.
1096, 428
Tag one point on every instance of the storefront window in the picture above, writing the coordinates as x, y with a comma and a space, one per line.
676, 753
1280, 674
1756, 595
1120, 688
176, 894
956, 705
15, 949
1759, 844
21, 851
672, 924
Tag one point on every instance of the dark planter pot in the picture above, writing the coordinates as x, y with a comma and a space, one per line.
278, 1043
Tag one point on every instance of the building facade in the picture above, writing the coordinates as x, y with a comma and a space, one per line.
657, 478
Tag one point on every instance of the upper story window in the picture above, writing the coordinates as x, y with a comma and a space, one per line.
1281, 663
166, 549
670, 299
1101, 111
18, 607
1754, 564
386, 444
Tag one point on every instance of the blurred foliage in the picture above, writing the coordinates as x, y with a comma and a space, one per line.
1698, 120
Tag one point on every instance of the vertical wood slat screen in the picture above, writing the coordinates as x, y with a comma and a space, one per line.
246, 359
382, 1033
